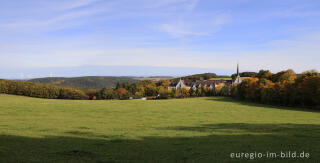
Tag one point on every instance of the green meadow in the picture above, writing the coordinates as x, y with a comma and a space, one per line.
179, 130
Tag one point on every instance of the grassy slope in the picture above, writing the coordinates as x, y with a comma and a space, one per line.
182, 130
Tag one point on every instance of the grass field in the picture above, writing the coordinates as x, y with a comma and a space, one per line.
180, 130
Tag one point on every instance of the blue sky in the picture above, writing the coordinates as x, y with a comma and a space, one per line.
156, 37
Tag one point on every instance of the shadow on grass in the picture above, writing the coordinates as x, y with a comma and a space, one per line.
296, 130
212, 147
247, 103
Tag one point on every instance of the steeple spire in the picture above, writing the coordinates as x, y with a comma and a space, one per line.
238, 78
237, 68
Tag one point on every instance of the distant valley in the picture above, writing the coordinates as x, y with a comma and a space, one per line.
87, 82
93, 82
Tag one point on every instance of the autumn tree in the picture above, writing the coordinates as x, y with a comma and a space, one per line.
92, 93
266, 74
284, 76
163, 92
284, 88
122, 94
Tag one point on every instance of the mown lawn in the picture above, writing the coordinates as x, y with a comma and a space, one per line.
181, 130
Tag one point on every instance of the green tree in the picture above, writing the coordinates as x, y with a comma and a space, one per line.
266, 74
284, 76
163, 93
192, 92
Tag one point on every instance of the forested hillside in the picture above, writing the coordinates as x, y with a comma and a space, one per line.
25, 88
283, 88
204, 76
87, 82
244, 74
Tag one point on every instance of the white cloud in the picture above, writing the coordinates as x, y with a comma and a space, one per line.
63, 20
196, 25
165, 3
118, 43
180, 30
281, 55
300, 53
79, 3
192, 4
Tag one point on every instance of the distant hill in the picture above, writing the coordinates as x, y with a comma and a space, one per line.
87, 82
204, 76
244, 74
154, 78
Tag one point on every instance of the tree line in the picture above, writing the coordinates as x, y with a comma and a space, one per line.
244, 74
205, 76
283, 88
122, 91
25, 88
154, 90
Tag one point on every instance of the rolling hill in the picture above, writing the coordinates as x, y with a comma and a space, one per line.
87, 82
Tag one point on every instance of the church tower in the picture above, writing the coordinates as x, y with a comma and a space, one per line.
238, 78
